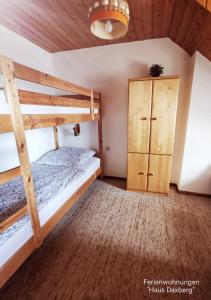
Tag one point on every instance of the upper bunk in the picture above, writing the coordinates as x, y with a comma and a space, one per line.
76, 97
85, 105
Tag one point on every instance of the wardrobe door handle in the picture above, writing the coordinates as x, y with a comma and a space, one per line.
140, 173
143, 119
153, 119
150, 174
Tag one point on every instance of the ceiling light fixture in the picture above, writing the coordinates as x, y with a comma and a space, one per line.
109, 19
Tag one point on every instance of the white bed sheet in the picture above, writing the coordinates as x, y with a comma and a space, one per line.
41, 109
13, 244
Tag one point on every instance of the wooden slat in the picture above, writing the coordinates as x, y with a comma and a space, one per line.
44, 121
53, 25
136, 19
41, 10
27, 97
158, 10
18, 128
147, 18
9, 175
100, 139
11, 266
167, 17
92, 105
186, 22
13, 219
56, 137
177, 17
193, 32
202, 2
76, 9
5, 124
202, 36
32, 75
34, 29
209, 5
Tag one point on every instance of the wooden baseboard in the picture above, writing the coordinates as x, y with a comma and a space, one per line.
172, 184
190, 193
114, 178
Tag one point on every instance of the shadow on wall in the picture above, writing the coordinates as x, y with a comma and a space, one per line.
115, 116
139, 70
200, 184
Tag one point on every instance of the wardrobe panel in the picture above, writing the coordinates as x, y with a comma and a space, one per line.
159, 173
163, 119
137, 171
140, 93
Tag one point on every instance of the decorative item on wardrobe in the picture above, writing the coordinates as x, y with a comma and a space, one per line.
156, 70
109, 18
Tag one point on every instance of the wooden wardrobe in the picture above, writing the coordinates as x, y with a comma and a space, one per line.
151, 127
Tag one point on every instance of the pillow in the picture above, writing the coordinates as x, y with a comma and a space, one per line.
66, 156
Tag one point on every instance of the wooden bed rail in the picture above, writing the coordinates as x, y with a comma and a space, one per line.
11, 91
43, 121
13, 219
9, 175
27, 97
32, 75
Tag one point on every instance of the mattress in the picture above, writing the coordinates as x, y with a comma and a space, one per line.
48, 181
23, 234
40, 109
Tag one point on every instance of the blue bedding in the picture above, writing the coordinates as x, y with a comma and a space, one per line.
49, 180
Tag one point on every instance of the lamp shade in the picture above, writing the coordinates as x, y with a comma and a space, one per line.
109, 19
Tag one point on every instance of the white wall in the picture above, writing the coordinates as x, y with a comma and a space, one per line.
21, 50
196, 168
39, 141
107, 70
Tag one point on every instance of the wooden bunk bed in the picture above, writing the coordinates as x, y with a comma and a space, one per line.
18, 123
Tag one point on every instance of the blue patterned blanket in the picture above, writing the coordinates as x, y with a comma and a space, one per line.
49, 180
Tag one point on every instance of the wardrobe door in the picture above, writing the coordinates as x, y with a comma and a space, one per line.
137, 171
164, 108
159, 173
140, 93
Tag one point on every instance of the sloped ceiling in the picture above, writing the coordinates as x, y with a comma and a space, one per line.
60, 25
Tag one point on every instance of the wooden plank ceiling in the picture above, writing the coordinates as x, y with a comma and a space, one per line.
60, 25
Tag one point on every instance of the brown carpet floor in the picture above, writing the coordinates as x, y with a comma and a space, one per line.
112, 240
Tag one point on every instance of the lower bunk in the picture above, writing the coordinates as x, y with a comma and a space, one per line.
16, 247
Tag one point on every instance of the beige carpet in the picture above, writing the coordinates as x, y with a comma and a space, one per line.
112, 240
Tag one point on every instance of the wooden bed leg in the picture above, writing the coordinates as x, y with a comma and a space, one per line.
92, 105
100, 138
7, 68
56, 137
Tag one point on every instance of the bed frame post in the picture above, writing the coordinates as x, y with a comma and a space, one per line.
100, 137
7, 69
92, 105
56, 136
